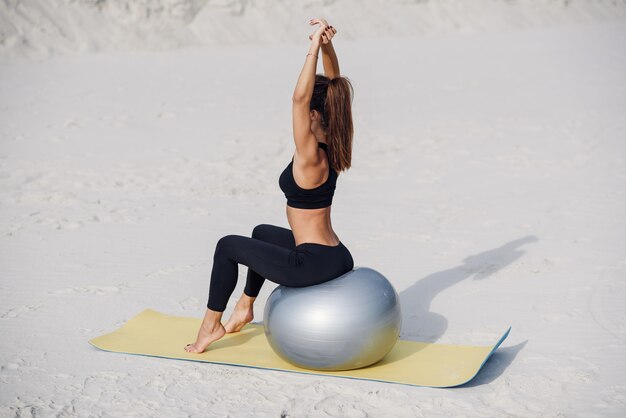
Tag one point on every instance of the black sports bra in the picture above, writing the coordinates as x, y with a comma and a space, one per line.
318, 197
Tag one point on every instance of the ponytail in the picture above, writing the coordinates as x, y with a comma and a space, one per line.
336, 95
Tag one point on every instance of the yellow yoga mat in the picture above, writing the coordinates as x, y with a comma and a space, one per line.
152, 333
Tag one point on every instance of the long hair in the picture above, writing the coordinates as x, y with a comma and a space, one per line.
332, 98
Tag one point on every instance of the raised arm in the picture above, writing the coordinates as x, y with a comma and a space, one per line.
306, 143
306, 80
331, 65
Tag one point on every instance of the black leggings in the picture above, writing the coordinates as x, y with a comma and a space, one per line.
272, 254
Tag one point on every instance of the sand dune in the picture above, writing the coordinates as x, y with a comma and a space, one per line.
42, 28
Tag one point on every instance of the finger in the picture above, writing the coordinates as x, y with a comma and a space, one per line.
320, 22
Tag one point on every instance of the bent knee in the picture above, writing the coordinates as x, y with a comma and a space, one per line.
259, 230
225, 241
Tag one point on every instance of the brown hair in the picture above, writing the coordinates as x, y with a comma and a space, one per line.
332, 98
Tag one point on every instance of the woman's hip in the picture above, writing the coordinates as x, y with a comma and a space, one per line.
323, 262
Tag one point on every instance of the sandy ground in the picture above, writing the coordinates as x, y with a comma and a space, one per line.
487, 185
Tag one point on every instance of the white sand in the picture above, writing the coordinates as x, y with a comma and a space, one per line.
487, 184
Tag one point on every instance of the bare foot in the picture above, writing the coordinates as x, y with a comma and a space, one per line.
206, 337
240, 317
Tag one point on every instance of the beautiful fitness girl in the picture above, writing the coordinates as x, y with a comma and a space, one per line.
310, 253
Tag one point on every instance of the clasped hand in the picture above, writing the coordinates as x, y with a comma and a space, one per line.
325, 32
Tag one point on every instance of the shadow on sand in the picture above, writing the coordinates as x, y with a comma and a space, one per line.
419, 323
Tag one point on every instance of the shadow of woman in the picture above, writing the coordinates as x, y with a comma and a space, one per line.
418, 322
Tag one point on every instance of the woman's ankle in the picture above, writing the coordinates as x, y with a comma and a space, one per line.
246, 301
212, 320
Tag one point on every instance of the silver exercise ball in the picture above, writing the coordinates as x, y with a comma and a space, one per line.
342, 324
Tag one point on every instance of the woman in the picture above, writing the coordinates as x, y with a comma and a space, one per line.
310, 253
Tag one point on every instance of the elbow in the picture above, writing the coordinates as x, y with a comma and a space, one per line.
300, 98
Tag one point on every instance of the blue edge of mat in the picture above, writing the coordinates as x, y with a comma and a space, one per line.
495, 347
